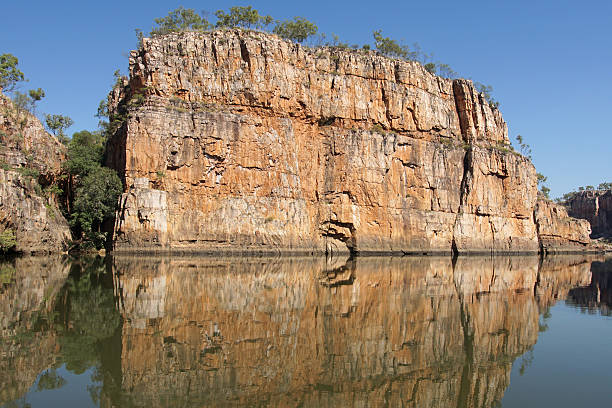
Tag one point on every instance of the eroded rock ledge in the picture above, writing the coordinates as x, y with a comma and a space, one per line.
240, 141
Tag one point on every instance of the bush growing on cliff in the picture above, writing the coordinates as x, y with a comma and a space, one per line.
181, 19
10, 75
298, 29
486, 91
542, 186
57, 124
389, 47
246, 17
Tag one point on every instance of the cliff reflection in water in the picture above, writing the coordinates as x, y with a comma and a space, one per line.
411, 331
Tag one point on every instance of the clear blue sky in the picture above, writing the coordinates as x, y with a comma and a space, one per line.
549, 62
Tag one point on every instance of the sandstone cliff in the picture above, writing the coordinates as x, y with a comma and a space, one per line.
241, 141
30, 160
595, 207
558, 232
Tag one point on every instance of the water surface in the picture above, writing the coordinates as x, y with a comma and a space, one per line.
410, 331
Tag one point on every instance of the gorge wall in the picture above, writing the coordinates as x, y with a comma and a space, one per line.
240, 141
30, 160
596, 207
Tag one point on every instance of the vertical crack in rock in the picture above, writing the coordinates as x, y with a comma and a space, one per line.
244, 53
461, 107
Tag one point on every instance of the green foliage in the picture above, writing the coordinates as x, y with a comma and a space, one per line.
95, 200
7, 273
28, 172
445, 71
97, 187
604, 186
246, 17
486, 90
298, 29
181, 19
524, 148
36, 94
430, 67
541, 185
85, 152
57, 124
10, 75
7, 240
389, 47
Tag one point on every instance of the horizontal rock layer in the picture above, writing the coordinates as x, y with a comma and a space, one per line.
240, 141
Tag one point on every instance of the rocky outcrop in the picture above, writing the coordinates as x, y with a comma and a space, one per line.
558, 232
594, 206
30, 161
240, 141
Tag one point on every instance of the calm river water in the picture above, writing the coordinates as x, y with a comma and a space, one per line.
309, 332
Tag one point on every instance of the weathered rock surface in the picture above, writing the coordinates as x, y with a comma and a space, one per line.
240, 141
595, 207
558, 231
31, 160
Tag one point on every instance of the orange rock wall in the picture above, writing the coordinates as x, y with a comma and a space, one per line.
240, 141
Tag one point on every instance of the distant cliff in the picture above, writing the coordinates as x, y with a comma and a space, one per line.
241, 141
594, 206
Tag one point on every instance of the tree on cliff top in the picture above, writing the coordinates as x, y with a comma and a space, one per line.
181, 19
389, 47
10, 75
246, 17
57, 124
298, 29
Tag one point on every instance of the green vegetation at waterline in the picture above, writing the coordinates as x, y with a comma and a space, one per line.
7, 240
96, 190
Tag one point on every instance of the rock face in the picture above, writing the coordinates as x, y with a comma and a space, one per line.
558, 231
596, 207
30, 160
240, 141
